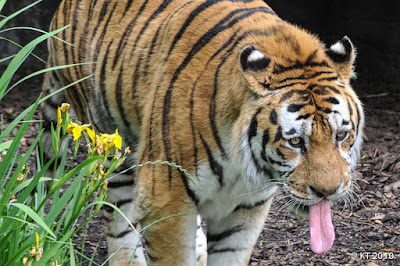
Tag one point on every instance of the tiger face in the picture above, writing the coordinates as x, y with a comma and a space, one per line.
305, 130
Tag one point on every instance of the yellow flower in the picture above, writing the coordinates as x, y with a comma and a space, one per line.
117, 139
110, 140
92, 134
64, 107
37, 241
25, 260
59, 120
76, 129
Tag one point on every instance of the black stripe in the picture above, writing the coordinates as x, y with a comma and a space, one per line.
129, 134
251, 206
273, 117
212, 113
100, 40
253, 126
100, 18
279, 69
327, 110
73, 29
220, 236
152, 258
291, 132
289, 85
122, 234
118, 184
272, 161
305, 116
141, 34
333, 89
128, 5
118, 204
293, 108
265, 140
331, 100
328, 78
223, 250
316, 74
190, 192
252, 133
187, 22
216, 168
128, 30
280, 154
278, 135
102, 86
301, 77
350, 108
312, 56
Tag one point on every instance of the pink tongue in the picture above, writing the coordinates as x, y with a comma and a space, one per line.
322, 233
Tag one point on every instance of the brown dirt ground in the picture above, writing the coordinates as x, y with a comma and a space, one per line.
367, 234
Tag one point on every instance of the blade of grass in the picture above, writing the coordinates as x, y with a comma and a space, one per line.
19, 46
6, 58
71, 253
41, 72
5, 145
20, 58
31, 213
6, 19
2, 3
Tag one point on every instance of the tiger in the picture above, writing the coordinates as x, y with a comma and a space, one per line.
245, 102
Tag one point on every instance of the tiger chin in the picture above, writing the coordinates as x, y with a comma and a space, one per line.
244, 101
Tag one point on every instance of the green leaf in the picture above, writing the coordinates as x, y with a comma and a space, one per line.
5, 145
31, 213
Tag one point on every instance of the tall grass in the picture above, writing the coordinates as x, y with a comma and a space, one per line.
37, 224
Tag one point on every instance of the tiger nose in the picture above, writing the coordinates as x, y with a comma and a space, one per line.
323, 193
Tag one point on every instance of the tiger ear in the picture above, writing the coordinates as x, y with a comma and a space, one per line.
253, 64
342, 54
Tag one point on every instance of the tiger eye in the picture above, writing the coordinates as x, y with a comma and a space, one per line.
341, 135
296, 142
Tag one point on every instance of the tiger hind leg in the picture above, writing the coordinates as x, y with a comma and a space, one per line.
123, 241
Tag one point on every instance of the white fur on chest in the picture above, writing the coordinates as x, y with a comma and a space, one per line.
216, 201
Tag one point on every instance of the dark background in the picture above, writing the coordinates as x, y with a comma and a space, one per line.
373, 26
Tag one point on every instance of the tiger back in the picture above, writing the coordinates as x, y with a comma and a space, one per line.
244, 101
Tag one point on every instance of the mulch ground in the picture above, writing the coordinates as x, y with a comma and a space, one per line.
367, 233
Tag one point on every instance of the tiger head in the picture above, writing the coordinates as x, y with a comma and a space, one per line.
302, 125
